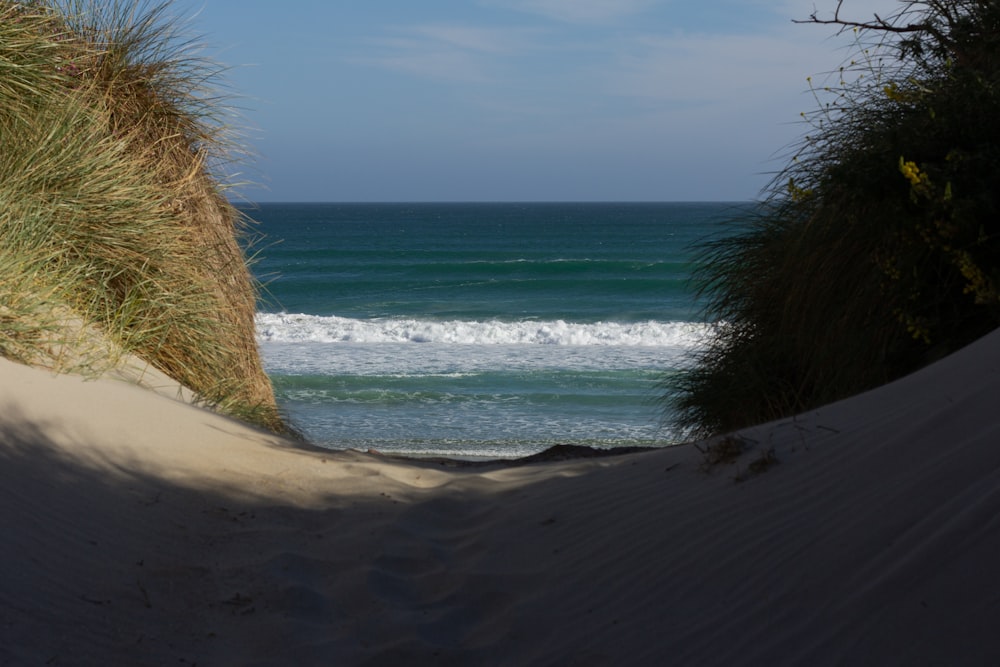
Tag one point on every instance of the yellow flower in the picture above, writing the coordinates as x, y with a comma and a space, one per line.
797, 193
892, 92
912, 173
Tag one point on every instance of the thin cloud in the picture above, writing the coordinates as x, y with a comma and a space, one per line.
577, 11
440, 65
448, 52
474, 38
706, 68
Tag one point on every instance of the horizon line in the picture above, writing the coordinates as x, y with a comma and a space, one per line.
491, 201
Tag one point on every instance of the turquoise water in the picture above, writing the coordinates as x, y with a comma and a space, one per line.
479, 329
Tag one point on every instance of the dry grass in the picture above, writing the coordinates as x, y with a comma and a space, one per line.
110, 211
722, 451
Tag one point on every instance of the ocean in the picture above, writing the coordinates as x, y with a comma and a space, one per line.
479, 330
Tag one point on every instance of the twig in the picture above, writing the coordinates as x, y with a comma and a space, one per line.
145, 594
879, 24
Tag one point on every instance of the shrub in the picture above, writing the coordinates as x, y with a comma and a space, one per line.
877, 248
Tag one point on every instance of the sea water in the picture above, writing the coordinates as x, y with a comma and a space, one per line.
493, 330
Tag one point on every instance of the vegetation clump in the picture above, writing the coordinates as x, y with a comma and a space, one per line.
876, 250
115, 234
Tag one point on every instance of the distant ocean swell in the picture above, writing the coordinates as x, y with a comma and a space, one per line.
480, 329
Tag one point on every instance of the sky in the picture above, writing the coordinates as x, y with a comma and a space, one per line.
517, 100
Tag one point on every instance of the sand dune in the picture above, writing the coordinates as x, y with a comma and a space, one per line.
140, 530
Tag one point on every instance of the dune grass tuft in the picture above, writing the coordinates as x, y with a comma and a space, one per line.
876, 250
113, 218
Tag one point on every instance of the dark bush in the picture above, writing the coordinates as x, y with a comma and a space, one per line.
876, 250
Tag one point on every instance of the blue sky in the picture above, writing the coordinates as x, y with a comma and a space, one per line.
518, 100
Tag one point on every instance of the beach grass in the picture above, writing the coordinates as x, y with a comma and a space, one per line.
876, 249
113, 214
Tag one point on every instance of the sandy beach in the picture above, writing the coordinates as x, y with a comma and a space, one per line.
140, 530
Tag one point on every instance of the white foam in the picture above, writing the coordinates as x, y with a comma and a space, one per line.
302, 328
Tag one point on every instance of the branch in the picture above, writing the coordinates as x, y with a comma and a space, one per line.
878, 24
